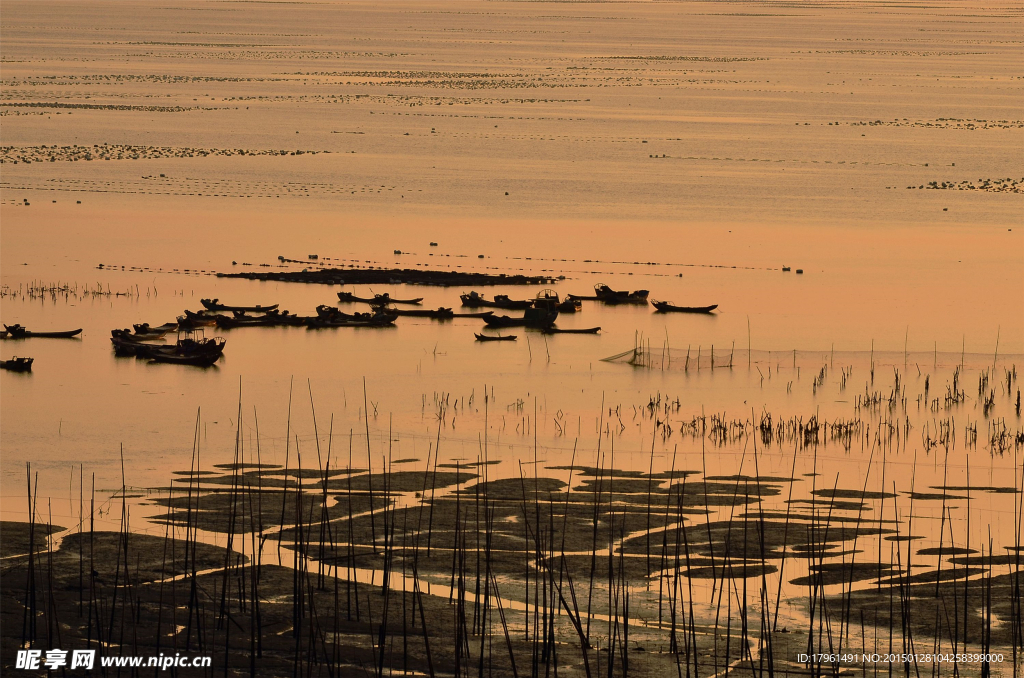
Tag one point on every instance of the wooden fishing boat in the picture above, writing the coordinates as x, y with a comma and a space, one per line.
546, 298
549, 299
197, 319
127, 347
533, 317
274, 318
325, 311
368, 321
128, 335
378, 299
19, 332
481, 314
556, 330
329, 316
193, 344
17, 364
607, 295
195, 360
441, 313
475, 300
669, 307
487, 337
503, 301
144, 331
125, 343
610, 296
215, 305
569, 306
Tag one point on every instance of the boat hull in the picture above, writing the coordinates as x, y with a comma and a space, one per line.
194, 360
663, 307
215, 305
13, 332
587, 330
470, 301
379, 300
485, 337
17, 364
533, 318
436, 314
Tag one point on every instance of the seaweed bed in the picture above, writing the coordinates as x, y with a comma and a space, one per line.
343, 572
383, 276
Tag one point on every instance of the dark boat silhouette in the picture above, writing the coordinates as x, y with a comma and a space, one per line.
19, 332
192, 345
17, 364
669, 307
194, 360
533, 317
378, 299
145, 331
476, 300
557, 330
440, 313
607, 295
329, 316
273, 318
486, 337
215, 305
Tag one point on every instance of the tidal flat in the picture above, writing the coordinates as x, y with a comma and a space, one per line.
829, 460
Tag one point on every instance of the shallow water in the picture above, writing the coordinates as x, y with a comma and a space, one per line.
533, 140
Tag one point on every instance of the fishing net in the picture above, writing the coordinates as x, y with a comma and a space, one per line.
698, 358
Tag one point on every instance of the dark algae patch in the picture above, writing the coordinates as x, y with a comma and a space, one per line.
18, 538
383, 276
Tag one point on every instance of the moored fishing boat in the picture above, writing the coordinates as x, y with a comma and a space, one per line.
487, 337
610, 296
194, 360
481, 314
193, 319
533, 317
368, 320
19, 332
192, 344
441, 313
378, 299
569, 306
271, 319
607, 295
325, 311
547, 298
476, 300
215, 305
557, 330
16, 364
144, 330
329, 316
669, 307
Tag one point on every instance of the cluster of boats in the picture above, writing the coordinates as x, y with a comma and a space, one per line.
539, 313
192, 347
607, 295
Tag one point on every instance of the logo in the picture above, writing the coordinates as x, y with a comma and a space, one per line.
33, 660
